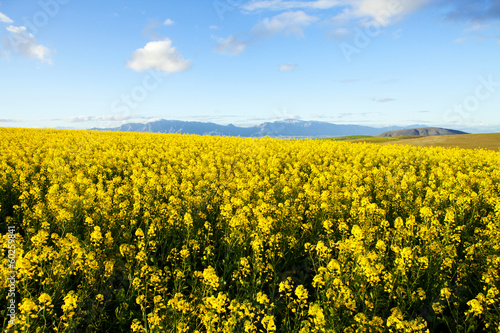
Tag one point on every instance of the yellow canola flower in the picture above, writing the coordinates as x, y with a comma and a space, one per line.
207, 228
269, 324
301, 293
317, 315
217, 303
44, 298
27, 306
96, 235
70, 302
262, 298
209, 277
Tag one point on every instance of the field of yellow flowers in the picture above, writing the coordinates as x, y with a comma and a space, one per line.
123, 232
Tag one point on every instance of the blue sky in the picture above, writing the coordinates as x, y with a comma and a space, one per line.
76, 64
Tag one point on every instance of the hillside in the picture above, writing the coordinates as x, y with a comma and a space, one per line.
489, 141
424, 131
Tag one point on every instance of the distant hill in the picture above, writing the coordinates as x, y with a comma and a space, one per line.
423, 131
286, 129
489, 141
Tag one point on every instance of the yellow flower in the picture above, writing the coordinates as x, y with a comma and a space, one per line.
210, 277
44, 298
180, 304
322, 250
475, 308
262, 298
96, 235
70, 303
136, 326
217, 303
357, 232
140, 299
317, 317
301, 293
445, 293
437, 307
139, 233
268, 323
381, 245
27, 306
184, 253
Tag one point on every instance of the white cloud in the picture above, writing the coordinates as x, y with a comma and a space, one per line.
16, 30
230, 45
459, 40
478, 26
339, 33
213, 27
19, 40
286, 5
79, 119
159, 55
384, 12
287, 67
288, 23
480, 31
168, 22
5, 19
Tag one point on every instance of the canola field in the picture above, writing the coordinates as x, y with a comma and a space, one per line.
128, 232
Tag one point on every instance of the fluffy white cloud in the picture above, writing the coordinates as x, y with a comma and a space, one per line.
288, 23
159, 55
168, 22
287, 67
22, 42
4, 18
230, 45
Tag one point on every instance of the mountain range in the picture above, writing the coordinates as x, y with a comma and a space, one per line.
290, 128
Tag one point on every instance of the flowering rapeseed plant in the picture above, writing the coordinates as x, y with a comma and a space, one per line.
183, 233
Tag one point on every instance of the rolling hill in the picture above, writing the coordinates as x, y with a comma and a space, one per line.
423, 131
490, 141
